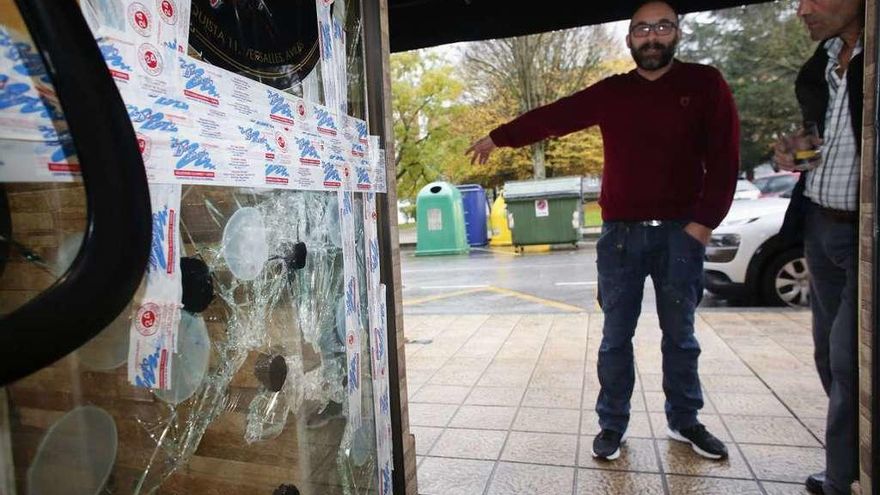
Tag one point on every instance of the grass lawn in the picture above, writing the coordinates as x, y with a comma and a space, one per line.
406, 226
592, 214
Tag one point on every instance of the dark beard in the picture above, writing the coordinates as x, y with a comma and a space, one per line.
653, 62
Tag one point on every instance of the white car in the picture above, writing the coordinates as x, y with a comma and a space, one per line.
746, 190
746, 259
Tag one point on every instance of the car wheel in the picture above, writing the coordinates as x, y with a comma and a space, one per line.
786, 280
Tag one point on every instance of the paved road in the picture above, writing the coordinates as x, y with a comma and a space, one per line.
497, 282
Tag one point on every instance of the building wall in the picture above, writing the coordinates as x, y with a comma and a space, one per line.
866, 250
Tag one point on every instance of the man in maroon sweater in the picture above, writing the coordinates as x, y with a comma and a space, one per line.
671, 137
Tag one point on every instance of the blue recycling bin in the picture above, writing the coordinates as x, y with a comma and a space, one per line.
476, 209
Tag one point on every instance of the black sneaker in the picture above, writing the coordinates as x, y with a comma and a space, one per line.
815, 483
703, 442
606, 445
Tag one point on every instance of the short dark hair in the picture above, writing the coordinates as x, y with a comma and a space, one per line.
642, 3
670, 4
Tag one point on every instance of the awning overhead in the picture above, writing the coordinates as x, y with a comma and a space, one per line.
422, 23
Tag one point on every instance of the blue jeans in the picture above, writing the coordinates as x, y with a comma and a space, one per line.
831, 248
628, 252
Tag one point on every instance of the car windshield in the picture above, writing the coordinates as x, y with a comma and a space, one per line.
744, 185
776, 184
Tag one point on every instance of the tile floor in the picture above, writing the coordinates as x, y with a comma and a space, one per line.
503, 405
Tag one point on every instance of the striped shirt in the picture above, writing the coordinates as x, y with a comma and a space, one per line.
835, 183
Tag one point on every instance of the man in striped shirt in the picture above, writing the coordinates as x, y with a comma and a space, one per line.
824, 209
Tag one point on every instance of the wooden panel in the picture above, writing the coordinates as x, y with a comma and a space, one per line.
867, 250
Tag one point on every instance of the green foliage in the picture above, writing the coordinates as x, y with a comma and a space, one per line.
592, 214
425, 105
514, 75
439, 109
759, 49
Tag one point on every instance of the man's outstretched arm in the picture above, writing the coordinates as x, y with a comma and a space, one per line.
570, 114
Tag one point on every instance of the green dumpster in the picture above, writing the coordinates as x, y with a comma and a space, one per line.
440, 221
544, 211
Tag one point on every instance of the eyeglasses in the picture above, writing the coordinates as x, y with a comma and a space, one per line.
662, 28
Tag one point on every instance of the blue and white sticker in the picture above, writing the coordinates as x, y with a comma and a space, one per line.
275, 175
310, 150
325, 121
200, 83
281, 107
153, 334
194, 160
195, 123
353, 330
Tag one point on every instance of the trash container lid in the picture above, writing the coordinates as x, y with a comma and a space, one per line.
562, 187
438, 187
592, 184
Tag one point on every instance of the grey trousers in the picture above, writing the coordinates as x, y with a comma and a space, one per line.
831, 248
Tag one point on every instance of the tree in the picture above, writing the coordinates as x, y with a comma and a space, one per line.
515, 75
759, 49
425, 103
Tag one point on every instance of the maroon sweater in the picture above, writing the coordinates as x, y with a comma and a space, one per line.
671, 145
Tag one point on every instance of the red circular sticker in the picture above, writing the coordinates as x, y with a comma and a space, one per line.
140, 19
147, 317
150, 59
144, 145
167, 11
351, 340
301, 110
282, 143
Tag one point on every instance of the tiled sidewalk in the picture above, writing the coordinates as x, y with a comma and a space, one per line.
503, 404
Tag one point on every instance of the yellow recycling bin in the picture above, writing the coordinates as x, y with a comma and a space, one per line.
498, 221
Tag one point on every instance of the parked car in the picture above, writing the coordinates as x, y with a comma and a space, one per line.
747, 260
746, 190
777, 184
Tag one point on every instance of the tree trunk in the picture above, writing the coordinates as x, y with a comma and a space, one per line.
538, 168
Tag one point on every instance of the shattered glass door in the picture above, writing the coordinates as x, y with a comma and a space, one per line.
245, 362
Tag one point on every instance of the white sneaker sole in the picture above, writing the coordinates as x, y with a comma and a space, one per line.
613, 456
680, 438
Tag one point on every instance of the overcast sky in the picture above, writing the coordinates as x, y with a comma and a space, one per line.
452, 52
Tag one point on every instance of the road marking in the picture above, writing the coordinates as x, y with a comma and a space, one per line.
576, 283
519, 251
535, 266
430, 287
422, 300
538, 300
498, 290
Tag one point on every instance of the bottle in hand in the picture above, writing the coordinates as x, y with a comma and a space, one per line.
805, 145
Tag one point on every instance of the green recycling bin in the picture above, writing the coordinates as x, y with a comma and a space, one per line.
440, 221
544, 211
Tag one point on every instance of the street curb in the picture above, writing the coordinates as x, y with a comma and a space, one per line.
586, 239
